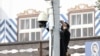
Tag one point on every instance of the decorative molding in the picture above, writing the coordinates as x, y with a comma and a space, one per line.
81, 7
28, 12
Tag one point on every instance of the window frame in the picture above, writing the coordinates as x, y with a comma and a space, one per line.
30, 30
81, 26
24, 19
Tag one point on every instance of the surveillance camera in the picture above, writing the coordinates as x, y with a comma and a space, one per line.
42, 19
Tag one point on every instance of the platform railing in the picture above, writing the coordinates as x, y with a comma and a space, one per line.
36, 48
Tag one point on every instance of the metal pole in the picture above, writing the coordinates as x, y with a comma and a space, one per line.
56, 38
51, 26
50, 43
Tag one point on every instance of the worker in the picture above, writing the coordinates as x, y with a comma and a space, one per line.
64, 38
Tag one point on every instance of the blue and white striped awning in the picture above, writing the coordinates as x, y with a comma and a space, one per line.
45, 35
97, 23
64, 17
8, 30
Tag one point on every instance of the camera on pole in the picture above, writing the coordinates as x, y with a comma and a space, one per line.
42, 19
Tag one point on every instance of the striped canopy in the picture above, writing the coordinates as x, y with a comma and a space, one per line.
8, 30
97, 23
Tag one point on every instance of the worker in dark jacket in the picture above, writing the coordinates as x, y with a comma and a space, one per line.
64, 38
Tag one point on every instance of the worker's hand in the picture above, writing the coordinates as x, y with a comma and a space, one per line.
61, 21
64, 25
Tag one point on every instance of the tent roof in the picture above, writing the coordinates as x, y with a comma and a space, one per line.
3, 15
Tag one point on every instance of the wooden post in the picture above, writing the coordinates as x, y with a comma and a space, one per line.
40, 48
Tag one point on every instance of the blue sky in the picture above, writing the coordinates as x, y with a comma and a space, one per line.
13, 7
